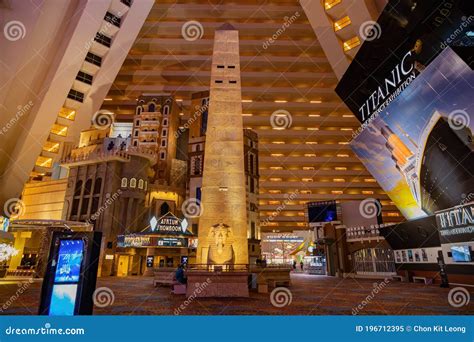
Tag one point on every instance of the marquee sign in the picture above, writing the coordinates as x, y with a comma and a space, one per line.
140, 241
169, 224
456, 224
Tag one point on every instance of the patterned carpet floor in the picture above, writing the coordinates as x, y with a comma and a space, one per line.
310, 295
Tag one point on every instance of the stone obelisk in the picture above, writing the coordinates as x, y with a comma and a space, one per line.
222, 237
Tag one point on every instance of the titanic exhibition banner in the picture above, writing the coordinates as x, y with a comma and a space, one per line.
407, 37
420, 148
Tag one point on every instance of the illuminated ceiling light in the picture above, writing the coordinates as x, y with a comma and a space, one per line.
280, 101
351, 43
341, 23
314, 115
278, 142
343, 143
311, 142
108, 99
181, 114
247, 101
179, 100
247, 114
343, 155
328, 4
312, 129
347, 116
277, 154
316, 101
346, 129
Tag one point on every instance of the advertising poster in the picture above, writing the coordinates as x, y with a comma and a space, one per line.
420, 149
406, 38
69, 261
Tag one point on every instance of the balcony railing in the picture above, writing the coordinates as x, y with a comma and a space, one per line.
364, 233
95, 155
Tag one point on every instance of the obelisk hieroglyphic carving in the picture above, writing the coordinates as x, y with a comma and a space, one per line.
222, 237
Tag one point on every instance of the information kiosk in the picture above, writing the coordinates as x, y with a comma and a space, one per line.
71, 274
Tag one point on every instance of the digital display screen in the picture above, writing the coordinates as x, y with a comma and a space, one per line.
461, 253
322, 211
63, 300
69, 262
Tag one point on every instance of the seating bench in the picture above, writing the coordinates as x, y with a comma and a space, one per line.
164, 276
399, 277
269, 277
422, 279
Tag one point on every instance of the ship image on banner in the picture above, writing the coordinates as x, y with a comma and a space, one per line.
420, 148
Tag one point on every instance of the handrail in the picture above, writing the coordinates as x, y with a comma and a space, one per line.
218, 268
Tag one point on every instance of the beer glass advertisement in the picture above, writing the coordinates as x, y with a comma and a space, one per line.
420, 149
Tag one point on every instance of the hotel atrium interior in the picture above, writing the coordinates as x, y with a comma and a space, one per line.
224, 139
